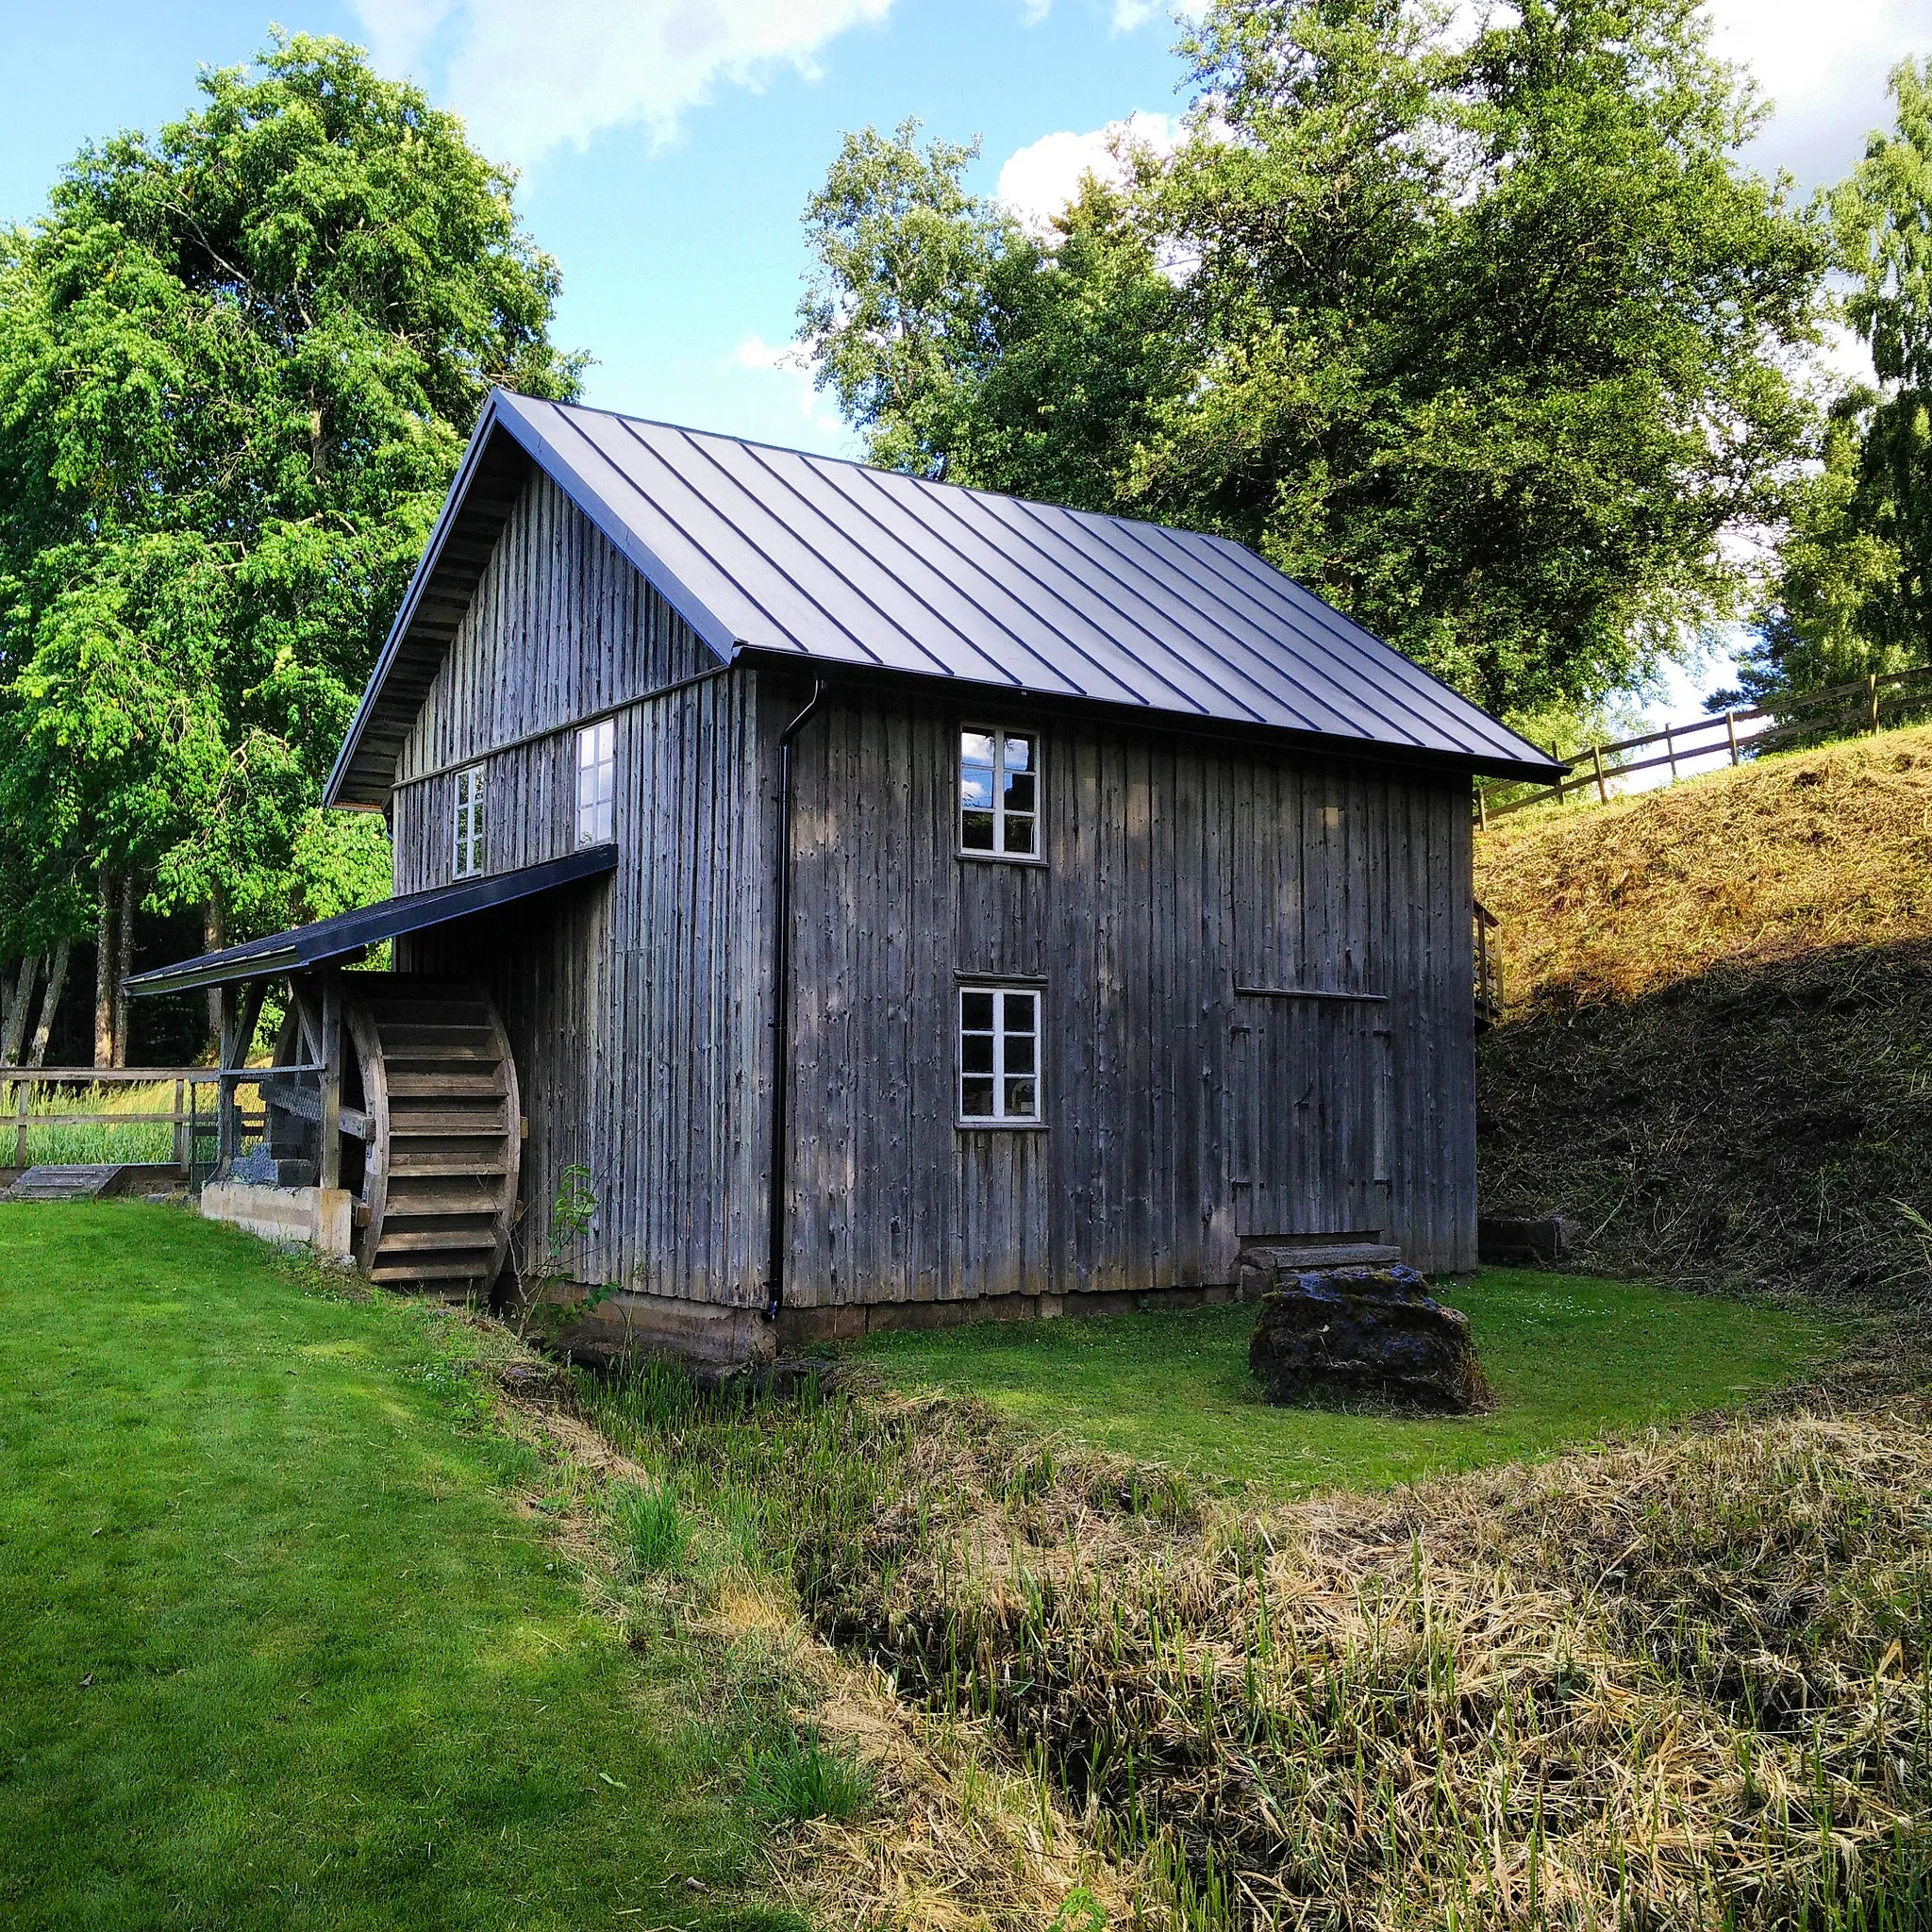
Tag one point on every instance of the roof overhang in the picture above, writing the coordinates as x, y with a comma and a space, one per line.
349, 935
998, 699
507, 444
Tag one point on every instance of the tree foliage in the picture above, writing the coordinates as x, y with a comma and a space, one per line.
1853, 591
1487, 336
239, 360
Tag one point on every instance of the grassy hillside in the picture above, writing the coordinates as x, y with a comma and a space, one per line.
1718, 1057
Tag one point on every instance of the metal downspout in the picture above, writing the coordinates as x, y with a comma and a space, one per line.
781, 1022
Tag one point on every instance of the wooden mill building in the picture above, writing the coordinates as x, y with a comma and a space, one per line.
892, 900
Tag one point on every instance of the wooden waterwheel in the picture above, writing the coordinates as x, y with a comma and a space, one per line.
429, 1119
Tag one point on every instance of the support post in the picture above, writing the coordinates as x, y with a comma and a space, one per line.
1603, 796
1731, 732
329, 1172
21, 1090
1872, 688
1671, 749
184, 1147
225, 1136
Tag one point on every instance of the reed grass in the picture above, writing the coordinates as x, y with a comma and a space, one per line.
52, 1142
1681, 1683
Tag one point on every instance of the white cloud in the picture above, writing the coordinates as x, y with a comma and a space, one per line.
1042, 178
789, 364
528, 78
1824, 67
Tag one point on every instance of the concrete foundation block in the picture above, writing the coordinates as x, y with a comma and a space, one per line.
317, 1218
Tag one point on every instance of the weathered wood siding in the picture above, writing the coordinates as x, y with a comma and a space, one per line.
1190, 1103
560, 629
1189, 895
631, 1004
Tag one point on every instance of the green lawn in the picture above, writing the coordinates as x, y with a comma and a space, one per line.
1571, 1360
278, 1649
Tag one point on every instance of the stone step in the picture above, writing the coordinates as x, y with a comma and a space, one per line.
75, 1183
1326, 1255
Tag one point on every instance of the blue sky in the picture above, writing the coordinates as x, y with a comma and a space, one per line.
668, 145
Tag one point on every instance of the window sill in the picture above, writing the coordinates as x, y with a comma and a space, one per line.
984, 1127
1001, 858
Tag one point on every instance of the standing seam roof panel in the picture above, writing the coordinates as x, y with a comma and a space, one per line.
1261, 582
837, 562
1060, 616
896, 589
1107, 623
1280, 696
1200, 565
778, 604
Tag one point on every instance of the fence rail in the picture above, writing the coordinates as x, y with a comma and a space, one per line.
1862, 705
189, 1120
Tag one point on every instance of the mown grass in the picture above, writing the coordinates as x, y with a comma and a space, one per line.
1570, 1360
282, 1646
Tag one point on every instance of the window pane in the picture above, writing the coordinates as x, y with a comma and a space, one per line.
1019, 833
587, 750
975, 787
976, 1099
975, 831
1020, 1010
976, 1011
1019, 1053
1022, 1103
975, 1053
976, 748
607, 741
1019, 754
1018, 791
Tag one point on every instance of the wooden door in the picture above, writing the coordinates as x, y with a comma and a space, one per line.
1313, 1154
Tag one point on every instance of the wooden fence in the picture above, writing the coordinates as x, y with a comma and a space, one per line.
1857, 707
189, 1119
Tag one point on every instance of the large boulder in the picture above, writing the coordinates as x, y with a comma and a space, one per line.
1372, 1335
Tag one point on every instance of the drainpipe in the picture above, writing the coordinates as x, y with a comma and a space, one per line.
781, 1023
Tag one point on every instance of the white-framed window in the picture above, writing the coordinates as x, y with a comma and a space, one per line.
596, 782
999, 792
472, 823
999, 1053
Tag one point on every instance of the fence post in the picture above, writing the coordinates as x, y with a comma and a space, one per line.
21, 1091
1731, 732
1671, 749
1871, 688
1482, 810
1596, 752
183, 1149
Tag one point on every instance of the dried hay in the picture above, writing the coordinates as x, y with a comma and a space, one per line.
1718, 1053
1682, 1683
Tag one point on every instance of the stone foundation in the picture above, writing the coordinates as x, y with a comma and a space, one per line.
317, 1218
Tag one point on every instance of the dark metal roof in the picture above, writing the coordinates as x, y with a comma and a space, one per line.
349, 933
835, 563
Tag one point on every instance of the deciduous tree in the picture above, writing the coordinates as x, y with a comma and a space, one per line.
238, 358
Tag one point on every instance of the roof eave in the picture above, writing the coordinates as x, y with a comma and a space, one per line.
1333, 744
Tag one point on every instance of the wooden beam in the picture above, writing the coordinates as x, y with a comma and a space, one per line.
330, 1169
224, 1102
